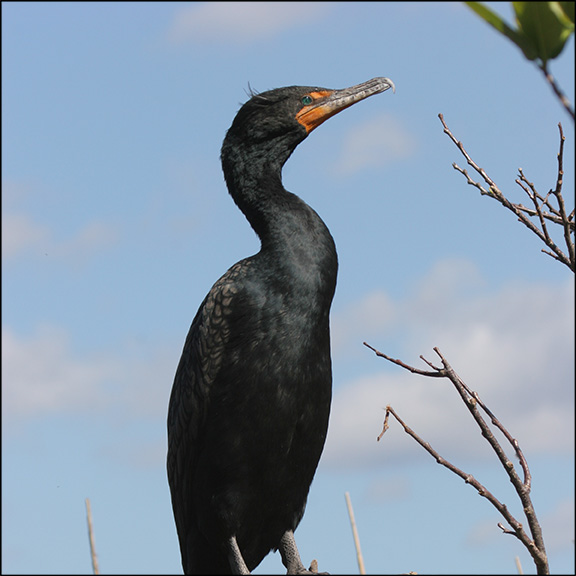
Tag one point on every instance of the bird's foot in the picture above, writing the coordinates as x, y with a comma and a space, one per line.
312, 570
291, 556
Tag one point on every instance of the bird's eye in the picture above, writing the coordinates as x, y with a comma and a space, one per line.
306, 100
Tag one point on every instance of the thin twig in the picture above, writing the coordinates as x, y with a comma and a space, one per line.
359, 556
472, 401
561, 96
518, 565
468, 478
531, 192
535, 197
556, 215
548, 215
400, 363
567, 221
95, 569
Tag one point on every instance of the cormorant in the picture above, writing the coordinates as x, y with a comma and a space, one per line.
249, 408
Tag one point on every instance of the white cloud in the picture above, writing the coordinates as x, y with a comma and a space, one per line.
241, 22
39, 376
381, 140
21, 235
42, 375
511, 345
514, 346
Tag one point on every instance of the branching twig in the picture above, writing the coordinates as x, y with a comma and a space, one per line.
543, 209
435, 374
567, 221
535, 545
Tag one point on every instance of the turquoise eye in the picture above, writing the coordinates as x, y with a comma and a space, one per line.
306, 100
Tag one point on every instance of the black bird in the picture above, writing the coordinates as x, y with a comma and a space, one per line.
251, 398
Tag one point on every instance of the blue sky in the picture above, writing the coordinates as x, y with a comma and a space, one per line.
116, 222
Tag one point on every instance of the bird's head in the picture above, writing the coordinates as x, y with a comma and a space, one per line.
318, 104
273, 123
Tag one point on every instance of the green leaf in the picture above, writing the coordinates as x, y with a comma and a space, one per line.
568, 9
524, 43
545, 25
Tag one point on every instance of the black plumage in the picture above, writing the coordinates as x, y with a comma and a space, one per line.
251, 398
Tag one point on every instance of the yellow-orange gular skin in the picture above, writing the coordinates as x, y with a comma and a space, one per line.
312, 115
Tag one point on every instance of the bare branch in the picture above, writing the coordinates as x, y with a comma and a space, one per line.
561, 96
517, 528
471, 399
548, 215
468, 478
543, 209
567, 221
406, 366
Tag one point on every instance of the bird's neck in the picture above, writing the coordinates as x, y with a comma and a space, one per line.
287, 227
